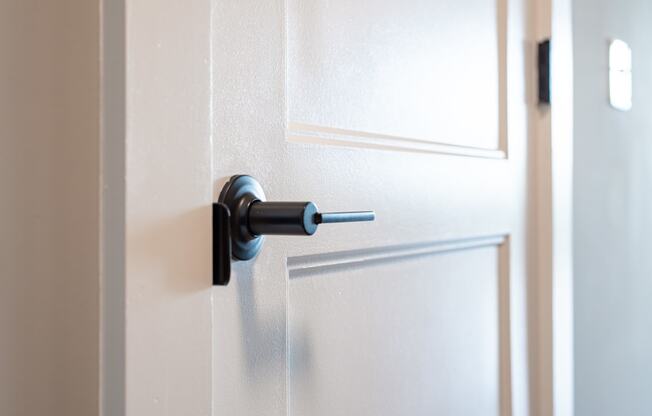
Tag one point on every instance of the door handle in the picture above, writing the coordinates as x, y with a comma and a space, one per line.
296, 218
242, 217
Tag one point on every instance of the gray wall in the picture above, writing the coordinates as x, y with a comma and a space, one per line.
613, 215
49, 207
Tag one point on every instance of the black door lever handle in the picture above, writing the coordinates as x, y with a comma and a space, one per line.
241, 218
296, 218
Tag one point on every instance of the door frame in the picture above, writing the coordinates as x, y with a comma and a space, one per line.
552, 212
156, 66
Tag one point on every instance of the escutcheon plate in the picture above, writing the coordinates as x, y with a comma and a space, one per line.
238, 194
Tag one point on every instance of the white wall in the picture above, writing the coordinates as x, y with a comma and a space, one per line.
49, 207
613, 215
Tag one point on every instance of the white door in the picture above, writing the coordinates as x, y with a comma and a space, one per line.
416, 110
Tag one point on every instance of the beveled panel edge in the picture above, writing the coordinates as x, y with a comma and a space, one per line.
323, 135
505, 327
300, 266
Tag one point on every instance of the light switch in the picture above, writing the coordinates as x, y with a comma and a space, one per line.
620, 75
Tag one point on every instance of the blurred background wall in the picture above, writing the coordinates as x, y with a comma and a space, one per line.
49, 207
612, 214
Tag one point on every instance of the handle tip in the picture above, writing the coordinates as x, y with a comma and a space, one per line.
354, 216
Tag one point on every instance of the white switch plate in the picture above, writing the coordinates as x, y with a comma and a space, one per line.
620, 75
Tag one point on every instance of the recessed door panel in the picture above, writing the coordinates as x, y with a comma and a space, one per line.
374, 333
410, 70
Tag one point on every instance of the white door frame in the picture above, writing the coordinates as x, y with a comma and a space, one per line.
156, 326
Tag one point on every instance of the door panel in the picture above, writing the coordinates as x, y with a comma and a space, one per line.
379, 68
353, 316
400, 107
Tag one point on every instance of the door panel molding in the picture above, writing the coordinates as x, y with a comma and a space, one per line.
300, 266
307, 133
